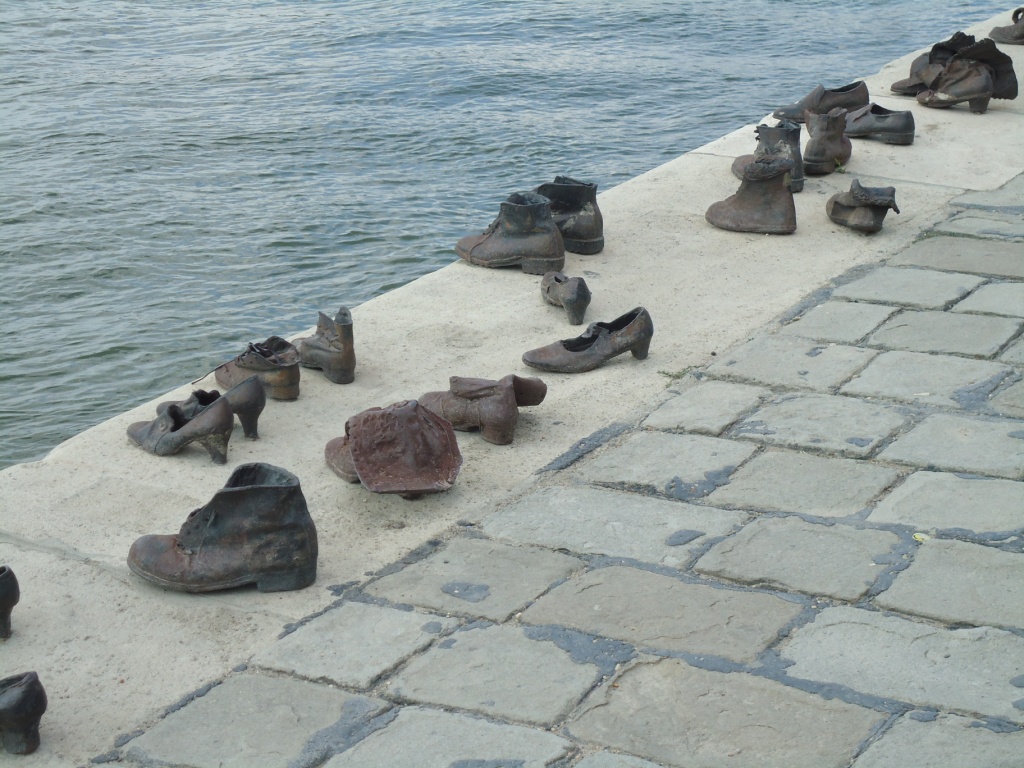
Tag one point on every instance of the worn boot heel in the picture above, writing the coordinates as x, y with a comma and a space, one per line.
979, 105
20, 738
640, 350
250, 423
498, 435
282, 582
537, 266
217, 446
340, 375
584, 247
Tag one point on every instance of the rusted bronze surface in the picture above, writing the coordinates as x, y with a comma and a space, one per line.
523, 235
762, 204
631, 332
275, 361
331, 348
489, 406
782, 139
975, 74
862, 208
576, 213
829, 147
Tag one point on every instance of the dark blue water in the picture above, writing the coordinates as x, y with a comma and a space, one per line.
179, 178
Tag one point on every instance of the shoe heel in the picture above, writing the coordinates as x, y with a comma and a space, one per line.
250, 422
639, 349
498, 435
584, 247
543, 266
5, 626
217, 446
979, 105
341, 375
283, 582
902, 139
20, 740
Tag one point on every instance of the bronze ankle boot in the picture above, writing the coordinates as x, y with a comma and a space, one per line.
490, 406
275, 361
570, 293
10, 594
331, 348
762, 204
782, 139
576, 214
828, 147
22, 704
255, 530
862, 208
246, 400
171, 431
926, 68
523, 235
1014, 33
975, 74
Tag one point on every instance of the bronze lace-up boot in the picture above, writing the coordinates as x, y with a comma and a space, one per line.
255, 530
762, 204
490, 406
523, 235
331, 348
275, 361
828, 147
576, 213
862, 208
782, 139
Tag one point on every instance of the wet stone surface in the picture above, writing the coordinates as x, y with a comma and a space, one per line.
917, 288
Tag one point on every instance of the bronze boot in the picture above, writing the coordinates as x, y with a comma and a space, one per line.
255, 530
862, 208
10, 594
975, 74
1014, 33
490, 406
828, 147
246, 400
275, 361
576, 213
782, 139
523, 235
926, 68
22, 704
762, 204
570, 293
331, 348
171, 431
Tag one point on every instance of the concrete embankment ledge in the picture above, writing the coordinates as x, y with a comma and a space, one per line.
791, 536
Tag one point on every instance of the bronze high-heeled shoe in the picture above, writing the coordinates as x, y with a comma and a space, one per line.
22, 704
9, 596
570, 293
171, 431
631, 332
490, 406
247, 401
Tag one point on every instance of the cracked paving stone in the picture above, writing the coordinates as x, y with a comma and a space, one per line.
946, 332
790, 553
941, 500
786, 481
1010, 402
977, 257
960, 444
492, 671
1014, 353
428, 738
841, 321
791, 362
918, 288
980, 223
353, 644
611, 760
910, 661
987, 585
661, 612
827, 422
995, 299
612, 523
678, 715
512, 576
708, 407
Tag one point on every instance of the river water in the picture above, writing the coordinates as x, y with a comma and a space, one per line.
179, 178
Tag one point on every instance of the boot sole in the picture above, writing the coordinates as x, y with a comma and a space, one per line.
267, 582
585, 247
902, 139
819, 169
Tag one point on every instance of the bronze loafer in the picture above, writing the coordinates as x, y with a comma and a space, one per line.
631, 332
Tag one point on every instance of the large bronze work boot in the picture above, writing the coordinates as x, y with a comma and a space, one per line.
524, 235
331, 348
22, 704
275, 361
762, 204
828, 147
822, 100
926, 68
255, 530
172, 430
862, 208
490, 406
782, 139
1013, 34
576, 213
10, 594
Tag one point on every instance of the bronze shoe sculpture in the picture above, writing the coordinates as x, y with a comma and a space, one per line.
255, 530
570, 293
762, 204
22, 704
576, 213
975, 74
490, 406
1014, 33
275, 361
404, 448
331, 348
821, 100
631, 332
171, 431
926, 68
828, 147
862, 208
10, 594
524, 234
782, 139
246, 400
876, 122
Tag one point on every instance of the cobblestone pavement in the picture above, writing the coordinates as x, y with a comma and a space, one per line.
809, 556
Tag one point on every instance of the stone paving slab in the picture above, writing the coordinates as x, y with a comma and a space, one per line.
1009, 197
979, 585
845, 425
353, 644
941, 500
946, 333
791, 362
709, 407
429, 738
916, 377
683, 466
840, 321
655, 611
611, 760
917, 288
963, 669
1014, 353
791, 554
492, 671
598, 521
682, 716
1007, 226
961, 254
250, 720
786, 481
476, 577
960, 444
942, 741
1010, 401
995, 299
